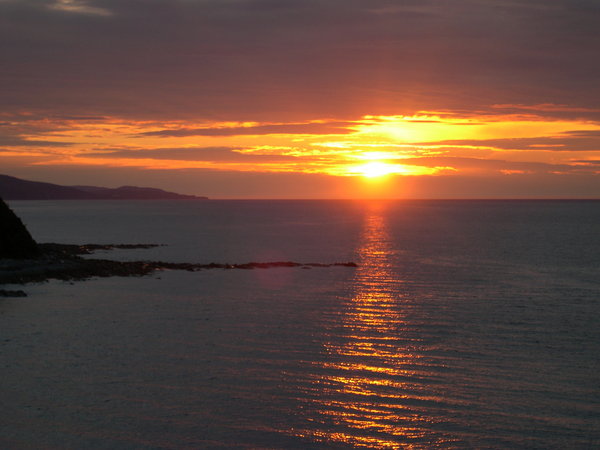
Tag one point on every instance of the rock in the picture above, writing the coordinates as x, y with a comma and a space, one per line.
5, 293
15, 240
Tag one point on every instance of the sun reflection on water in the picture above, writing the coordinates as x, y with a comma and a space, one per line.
368, 391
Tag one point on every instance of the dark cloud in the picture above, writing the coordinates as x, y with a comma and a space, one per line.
293, 128
584, 133
285, 60
216, 154
549, 111
589, 162
573, 141
18, 141
465, 164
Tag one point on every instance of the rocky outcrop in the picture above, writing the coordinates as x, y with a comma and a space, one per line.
15, 240
62, 262
22, 260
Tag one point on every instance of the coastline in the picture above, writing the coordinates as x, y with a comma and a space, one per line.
63, 262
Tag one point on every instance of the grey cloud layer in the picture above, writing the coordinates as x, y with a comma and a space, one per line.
293, 60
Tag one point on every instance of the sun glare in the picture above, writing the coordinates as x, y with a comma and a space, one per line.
376, 169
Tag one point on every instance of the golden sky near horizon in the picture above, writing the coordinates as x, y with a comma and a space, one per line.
427, 143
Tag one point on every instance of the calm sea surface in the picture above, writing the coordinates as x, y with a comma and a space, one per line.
468, 324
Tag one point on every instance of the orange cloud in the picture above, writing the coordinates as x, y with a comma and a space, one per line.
436, 144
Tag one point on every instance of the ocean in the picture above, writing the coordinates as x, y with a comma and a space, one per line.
467, 324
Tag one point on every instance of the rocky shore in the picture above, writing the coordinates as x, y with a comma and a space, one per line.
63, 262
22, 260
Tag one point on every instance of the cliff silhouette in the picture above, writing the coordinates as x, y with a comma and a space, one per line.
15, 240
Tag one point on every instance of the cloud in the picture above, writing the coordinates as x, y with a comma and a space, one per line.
78, 7
572, 141
18, 141
545, 107
291, 128
587, 162
99, 73
550, 111
284, 61
476, 165
584, 133
215, 154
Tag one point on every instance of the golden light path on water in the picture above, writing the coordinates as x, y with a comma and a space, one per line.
371, 389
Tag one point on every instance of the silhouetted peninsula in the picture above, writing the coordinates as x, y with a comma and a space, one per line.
12, 188
22, 260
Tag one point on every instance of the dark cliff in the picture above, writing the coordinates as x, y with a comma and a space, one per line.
15, 240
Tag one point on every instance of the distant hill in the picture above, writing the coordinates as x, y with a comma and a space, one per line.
12, 188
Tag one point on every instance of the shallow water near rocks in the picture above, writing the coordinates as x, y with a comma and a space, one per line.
467, 324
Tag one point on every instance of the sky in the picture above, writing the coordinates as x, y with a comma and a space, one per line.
304, 98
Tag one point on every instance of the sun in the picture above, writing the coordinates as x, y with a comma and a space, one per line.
376, 169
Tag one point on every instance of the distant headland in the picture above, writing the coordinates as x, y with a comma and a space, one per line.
12, 188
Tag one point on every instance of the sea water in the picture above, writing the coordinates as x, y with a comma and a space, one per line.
467, 324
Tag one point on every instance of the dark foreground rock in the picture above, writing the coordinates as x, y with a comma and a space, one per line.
5, 293
15, 240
